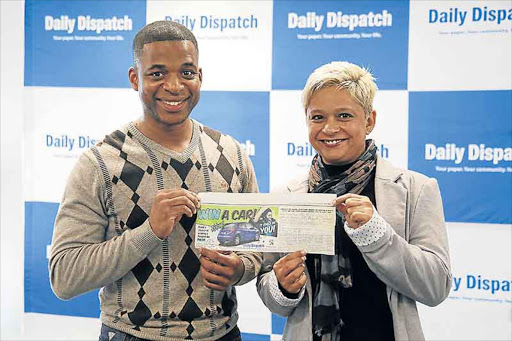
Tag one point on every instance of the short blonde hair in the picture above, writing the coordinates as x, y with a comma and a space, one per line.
359, 83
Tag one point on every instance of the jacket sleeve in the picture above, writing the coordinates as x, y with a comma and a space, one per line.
81, 258
264, 287
252, 260
265, 276
420, 267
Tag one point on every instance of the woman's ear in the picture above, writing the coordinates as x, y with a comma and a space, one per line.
370, 122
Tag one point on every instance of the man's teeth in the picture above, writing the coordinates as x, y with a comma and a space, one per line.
171, 103
331, 141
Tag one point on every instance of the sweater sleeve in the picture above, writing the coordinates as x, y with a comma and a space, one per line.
252, 260
81, 258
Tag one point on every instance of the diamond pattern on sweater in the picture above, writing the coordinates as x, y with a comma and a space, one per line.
116, 139
227, 305
137, 217
140, 314
214, 135
189, 265
141, 293
225, 169
142, 271
190, 311
182, 169
187, 223
131, 175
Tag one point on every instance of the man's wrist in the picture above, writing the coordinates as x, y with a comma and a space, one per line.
240, 269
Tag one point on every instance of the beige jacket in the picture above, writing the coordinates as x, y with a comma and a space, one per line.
411, 258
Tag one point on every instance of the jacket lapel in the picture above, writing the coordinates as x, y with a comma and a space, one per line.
391, 196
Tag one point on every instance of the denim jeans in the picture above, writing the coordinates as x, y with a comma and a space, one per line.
111, 334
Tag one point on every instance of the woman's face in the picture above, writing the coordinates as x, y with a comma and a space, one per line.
337, 126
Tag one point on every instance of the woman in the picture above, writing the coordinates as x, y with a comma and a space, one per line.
391, 245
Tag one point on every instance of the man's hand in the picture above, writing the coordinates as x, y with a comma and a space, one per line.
220, 269
357, 209
290, 271
169, 205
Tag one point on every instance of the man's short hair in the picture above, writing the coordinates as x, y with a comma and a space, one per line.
163, 30
358, 81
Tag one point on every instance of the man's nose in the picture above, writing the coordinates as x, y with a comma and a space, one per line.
173, 84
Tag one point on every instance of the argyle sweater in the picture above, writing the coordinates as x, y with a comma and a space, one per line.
151, 288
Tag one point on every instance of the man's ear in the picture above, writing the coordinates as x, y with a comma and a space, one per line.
134, 78
200, 75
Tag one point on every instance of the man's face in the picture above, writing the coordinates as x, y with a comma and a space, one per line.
168, 80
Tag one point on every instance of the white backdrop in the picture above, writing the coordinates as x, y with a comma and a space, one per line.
447, 75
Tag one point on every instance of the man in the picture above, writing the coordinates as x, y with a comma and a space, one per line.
126, 219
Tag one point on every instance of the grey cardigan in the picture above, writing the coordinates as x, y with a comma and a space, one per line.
411, 258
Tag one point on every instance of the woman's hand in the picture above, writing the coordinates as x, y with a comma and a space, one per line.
289, 271
357, 209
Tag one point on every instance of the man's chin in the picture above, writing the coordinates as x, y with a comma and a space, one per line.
174, 123
171, 121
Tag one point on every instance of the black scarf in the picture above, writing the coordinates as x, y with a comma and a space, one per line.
333, 272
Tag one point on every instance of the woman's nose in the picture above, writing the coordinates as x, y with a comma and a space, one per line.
331, 128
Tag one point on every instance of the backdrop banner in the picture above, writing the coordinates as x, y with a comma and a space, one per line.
444, 109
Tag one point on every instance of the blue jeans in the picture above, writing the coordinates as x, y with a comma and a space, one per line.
117, 335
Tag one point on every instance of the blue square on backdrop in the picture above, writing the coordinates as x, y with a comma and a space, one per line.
278, 323
80, 43
307, 34
39, 297
464, 140
244, 116
255, 337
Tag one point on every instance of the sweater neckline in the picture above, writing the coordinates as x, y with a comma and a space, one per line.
181, 157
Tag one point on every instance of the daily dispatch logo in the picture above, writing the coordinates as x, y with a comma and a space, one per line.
87, 23
216, 23
478, 282
475, 152
68, 142
339, 20
477, 14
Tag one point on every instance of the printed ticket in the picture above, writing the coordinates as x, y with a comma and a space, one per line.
266, 222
